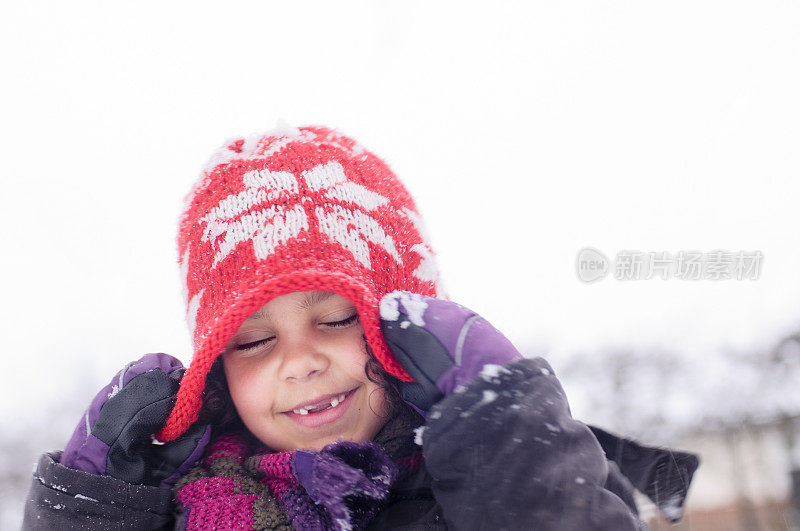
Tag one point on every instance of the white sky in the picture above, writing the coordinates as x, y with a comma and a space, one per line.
525, 130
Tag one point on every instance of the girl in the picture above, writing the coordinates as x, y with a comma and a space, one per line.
332, 386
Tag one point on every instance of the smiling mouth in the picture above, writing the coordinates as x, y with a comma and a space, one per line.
325, 405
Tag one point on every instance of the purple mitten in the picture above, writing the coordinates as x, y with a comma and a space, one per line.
114, 437
441, 344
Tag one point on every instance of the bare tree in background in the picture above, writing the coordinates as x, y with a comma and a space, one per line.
661, 396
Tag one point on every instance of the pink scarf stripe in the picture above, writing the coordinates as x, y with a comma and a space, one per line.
227, 445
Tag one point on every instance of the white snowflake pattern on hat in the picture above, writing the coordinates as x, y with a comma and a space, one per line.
239, 221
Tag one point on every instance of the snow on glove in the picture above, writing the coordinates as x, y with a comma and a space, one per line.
114, 437
441, 345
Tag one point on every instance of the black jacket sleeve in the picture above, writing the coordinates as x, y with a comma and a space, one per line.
62, 498
505, 453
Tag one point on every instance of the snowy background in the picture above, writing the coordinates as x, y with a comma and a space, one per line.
525, 131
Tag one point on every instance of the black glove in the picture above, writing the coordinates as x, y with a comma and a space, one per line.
115, 436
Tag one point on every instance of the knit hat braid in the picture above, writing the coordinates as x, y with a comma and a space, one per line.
293, 210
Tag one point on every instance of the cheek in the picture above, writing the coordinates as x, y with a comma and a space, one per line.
245, 389
353, 358
355, 365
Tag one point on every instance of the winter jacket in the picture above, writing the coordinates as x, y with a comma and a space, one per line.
500, 453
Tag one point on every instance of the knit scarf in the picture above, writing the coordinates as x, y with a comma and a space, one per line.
343, 486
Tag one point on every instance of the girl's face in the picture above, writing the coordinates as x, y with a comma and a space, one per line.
296, 373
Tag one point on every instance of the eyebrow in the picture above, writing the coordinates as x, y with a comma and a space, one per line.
311, 298
315, 297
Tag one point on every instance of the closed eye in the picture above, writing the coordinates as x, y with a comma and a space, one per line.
263, 342
344, 322
254, 344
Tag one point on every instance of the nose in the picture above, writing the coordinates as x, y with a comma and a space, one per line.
301, 360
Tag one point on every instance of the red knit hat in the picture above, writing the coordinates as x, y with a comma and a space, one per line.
293, 210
